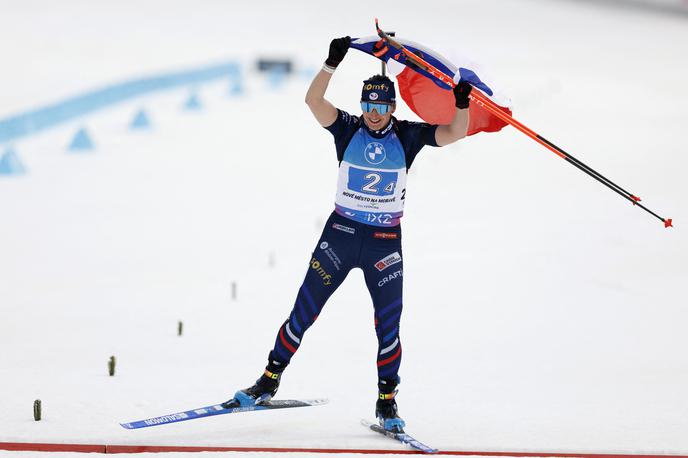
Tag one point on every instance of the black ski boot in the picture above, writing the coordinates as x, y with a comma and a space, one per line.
262, 391
386, 409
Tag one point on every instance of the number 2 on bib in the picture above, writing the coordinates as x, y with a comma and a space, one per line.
374, 178
372, 182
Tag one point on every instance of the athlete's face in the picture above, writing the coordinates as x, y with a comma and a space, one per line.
376, 121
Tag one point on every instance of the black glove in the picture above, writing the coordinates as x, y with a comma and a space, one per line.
461, 93
338, 49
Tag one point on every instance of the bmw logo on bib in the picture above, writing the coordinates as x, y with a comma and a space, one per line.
375, 153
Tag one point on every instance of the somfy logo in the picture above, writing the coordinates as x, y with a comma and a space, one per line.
327, 278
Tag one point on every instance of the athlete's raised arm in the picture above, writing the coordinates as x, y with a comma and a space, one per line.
321, 108
457, 129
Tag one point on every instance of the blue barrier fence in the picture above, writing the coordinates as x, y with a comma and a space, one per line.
42, 118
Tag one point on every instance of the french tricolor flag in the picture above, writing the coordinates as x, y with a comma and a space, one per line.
428, 96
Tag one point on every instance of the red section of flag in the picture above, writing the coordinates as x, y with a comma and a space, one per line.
429, 101
481, 120
436, 105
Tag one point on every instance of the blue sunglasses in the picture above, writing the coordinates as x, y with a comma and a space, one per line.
381, 108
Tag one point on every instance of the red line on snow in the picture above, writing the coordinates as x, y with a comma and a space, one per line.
94, 448
36, 447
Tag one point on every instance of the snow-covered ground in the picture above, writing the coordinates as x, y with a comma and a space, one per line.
542, 311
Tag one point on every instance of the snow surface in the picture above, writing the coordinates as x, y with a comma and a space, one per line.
542, 312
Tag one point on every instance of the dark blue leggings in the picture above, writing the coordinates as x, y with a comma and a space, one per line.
343, 245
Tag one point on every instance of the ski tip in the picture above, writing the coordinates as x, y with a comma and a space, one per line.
402, 437
295, 402
126, 425
668, 222
318, 402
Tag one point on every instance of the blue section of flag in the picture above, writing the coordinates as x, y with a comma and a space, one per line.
366, 45
472, 78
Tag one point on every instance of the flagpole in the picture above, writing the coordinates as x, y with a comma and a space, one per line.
382, 62
482, 100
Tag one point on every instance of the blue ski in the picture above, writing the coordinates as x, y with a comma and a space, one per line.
400, 436
217, 409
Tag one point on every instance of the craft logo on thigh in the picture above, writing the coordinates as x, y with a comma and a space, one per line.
327, 278
386, 235
387, 261
394, 275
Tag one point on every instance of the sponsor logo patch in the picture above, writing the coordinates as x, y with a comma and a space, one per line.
167, 418
315, 265
336, 262
386, 235
377, 87
375, 153
387, 261
393, 276
347, 229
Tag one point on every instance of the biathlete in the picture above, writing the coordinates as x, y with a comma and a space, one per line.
375, 152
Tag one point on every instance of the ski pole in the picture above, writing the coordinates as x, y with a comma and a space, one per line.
493, 108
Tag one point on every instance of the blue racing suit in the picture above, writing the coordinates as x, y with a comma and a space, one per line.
364, 232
